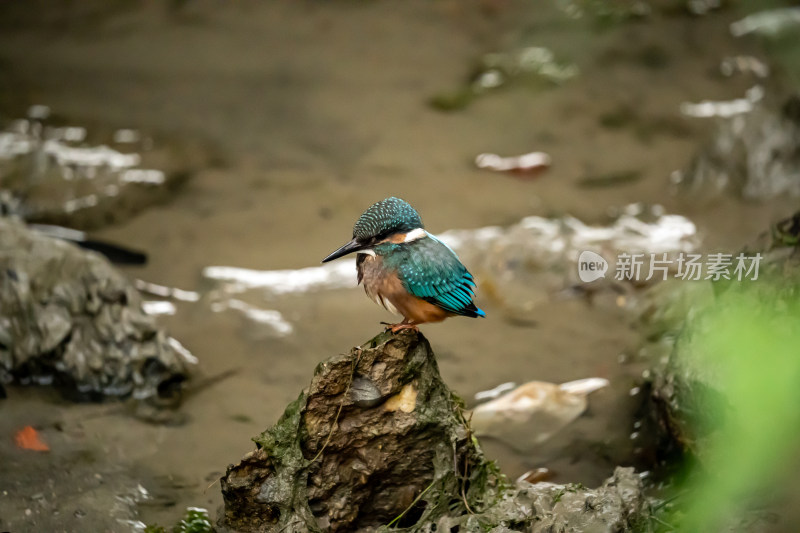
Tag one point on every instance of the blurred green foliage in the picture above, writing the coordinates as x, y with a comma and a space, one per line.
751, 339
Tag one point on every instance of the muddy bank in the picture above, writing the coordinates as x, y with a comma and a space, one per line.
322, 109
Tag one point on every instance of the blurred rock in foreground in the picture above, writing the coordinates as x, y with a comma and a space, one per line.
379, 441
67, 317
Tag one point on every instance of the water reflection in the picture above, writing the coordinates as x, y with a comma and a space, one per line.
771, 22
753, 152
157, 307
72, 176
166, 292
565, 237
268, 317
521, 265
331, 276
724, 109
86, 159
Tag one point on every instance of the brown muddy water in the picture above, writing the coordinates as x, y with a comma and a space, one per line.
314, 111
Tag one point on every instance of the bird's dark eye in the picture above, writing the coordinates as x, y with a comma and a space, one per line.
379, 237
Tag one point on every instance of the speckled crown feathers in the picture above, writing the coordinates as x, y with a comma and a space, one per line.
391, 215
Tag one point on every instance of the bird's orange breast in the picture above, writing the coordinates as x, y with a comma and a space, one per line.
385, 288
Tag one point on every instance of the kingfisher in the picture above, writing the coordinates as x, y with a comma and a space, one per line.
406, 269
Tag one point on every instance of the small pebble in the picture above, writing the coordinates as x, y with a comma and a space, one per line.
364, 393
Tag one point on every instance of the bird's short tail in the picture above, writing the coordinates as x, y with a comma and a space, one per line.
471, 311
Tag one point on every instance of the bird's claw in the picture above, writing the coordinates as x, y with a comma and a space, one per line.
395, 328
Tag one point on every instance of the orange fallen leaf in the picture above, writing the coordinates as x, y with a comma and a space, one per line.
27, 438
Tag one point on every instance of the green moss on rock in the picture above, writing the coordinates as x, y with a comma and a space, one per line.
394, 452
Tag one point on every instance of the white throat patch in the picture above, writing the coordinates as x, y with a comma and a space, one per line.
414, 235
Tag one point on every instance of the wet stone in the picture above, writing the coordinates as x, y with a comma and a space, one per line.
57, 326
754, 155
365, 393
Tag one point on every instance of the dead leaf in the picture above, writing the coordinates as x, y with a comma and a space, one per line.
27, 438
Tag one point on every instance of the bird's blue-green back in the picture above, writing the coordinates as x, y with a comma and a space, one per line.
430, 270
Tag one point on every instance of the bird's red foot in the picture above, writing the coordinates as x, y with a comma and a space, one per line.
394, 328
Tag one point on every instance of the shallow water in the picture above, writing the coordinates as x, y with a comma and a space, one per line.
319, 110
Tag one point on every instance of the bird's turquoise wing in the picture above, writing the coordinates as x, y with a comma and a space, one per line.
430, 270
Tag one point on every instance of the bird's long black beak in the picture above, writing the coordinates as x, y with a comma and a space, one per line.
350, 247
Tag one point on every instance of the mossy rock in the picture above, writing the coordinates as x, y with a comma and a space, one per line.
379, 442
